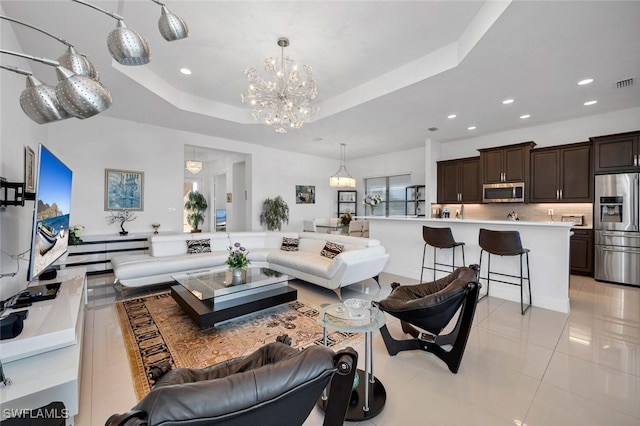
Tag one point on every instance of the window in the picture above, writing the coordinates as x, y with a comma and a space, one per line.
392, 190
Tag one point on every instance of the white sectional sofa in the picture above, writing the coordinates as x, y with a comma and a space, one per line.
361, 258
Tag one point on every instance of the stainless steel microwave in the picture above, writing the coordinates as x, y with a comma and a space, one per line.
503, 192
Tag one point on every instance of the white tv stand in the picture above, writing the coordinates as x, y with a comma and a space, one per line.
43, 362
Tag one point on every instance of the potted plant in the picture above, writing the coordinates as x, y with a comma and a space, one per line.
274, 213
197, 205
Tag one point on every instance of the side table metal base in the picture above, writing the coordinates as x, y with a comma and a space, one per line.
355, 410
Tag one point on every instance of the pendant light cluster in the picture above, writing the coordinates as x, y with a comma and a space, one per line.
78, 92
75, 95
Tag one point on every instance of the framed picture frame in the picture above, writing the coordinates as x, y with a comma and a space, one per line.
29, 170
305, 194
123, 190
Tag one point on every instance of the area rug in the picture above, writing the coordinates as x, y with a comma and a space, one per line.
157, 331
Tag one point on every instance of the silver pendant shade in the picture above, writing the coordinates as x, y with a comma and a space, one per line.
71, 59
128, 47
81, 96
74, 95
39, 102
78, 63
171, 26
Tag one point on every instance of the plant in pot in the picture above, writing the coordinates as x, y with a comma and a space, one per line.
274, 213
197, 205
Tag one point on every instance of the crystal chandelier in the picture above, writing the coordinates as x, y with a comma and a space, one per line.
285, 97
342, 178
194, 166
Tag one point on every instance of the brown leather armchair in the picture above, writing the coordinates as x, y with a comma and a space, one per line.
275, 385
431, 307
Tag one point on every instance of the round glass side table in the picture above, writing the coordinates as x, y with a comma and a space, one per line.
369, 397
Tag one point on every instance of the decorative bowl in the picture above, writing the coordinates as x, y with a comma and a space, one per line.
357, 308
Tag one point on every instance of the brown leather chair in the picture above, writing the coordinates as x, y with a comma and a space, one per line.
431, 307
439, 238
504, 243
275, 385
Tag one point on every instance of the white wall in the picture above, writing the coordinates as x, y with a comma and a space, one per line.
15, 222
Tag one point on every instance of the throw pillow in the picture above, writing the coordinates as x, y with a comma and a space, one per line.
198, 246
289, 244
331, 250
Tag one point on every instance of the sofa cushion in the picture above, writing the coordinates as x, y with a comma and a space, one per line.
331, 249
198, 246
309, 263
289, 244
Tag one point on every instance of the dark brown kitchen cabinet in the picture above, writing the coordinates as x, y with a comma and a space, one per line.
561, 174
459, 181
506, 163
617, 153
581, 252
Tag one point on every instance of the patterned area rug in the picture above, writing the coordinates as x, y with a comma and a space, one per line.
156, 330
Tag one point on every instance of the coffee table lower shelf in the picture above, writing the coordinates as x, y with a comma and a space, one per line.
206, 313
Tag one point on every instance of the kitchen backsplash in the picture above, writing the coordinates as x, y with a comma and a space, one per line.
528, 212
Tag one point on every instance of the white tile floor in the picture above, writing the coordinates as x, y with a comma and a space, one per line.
543, 368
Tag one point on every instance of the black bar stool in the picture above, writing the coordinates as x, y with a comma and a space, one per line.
504, 243
439, 238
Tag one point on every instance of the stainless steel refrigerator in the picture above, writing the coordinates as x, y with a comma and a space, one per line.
617, 228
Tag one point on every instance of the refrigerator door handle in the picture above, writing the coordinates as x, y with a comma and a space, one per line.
611, 234
620, 251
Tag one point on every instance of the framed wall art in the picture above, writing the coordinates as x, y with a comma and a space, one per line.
29, 170
123, 190
305, 194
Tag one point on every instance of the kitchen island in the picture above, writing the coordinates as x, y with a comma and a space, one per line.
548, 259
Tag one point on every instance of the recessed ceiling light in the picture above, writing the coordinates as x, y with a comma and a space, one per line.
471, 128
507, 101
451, 116
525, 116
185, 71
585, 81
590, 103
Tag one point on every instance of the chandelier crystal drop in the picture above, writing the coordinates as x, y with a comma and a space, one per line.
284, 98
342, 178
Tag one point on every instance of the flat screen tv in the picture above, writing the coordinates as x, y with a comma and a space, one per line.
50, 232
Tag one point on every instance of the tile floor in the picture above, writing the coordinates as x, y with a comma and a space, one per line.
543, 368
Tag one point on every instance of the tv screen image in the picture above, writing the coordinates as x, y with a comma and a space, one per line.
50, 235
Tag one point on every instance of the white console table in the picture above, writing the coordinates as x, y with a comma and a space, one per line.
44, 361
95, 251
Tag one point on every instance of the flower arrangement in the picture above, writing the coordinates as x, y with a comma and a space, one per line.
75, 234
372, 199
346, 218
238, 257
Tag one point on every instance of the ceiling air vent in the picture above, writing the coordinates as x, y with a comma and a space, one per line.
627, 82
432, 129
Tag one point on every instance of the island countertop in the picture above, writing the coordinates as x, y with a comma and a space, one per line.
548, 243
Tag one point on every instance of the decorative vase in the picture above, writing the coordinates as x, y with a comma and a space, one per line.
237, 276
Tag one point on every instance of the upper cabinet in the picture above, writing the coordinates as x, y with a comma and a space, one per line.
617, 153
459, 181
561, 174
506, 163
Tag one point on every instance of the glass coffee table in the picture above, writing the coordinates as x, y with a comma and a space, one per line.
210, 296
